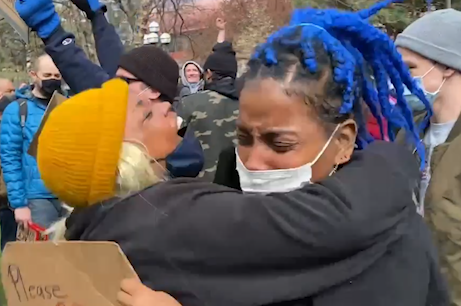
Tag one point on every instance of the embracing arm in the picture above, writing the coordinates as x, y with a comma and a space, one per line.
315, 221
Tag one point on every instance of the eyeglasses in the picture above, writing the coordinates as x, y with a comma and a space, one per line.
129, 80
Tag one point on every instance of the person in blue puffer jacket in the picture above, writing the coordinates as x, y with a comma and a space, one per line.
27, 194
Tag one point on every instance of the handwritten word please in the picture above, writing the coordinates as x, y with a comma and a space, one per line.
27, 292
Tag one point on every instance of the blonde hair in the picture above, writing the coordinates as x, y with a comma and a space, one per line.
134, 173
135, 170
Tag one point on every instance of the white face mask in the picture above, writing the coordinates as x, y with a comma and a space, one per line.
280, 180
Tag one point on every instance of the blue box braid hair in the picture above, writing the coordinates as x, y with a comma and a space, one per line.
362, 60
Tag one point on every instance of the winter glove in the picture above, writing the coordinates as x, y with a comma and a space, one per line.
39, 15
90, 7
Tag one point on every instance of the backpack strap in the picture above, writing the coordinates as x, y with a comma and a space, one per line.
22, 112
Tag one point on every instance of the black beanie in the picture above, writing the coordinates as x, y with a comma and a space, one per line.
222, 60
154, 67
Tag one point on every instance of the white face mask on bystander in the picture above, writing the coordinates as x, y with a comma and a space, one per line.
280, 180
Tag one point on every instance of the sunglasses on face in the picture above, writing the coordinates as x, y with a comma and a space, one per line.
130, 80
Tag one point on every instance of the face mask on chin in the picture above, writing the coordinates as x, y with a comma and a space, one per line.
280, 180
49, 86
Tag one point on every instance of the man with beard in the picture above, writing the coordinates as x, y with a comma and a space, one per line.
27, 194
211, 114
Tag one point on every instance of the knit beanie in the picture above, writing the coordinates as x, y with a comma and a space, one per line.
79, 146
435, 36
154, 67
222, 61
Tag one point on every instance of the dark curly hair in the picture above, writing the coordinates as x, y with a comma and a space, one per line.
336, 61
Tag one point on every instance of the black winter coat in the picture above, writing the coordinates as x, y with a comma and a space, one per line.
354, 239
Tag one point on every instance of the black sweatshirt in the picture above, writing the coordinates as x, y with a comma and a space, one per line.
354, 239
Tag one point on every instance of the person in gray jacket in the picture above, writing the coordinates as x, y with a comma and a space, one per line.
191, 78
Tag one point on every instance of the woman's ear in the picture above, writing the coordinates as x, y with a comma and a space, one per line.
345, 139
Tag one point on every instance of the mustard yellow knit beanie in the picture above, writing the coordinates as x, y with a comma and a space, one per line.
79, 147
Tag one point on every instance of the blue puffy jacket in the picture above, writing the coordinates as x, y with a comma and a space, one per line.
20, 170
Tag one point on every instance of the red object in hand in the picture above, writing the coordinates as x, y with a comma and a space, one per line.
34, 233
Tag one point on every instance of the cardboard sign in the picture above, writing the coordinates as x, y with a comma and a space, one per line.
8, 12
56, 99
64, 274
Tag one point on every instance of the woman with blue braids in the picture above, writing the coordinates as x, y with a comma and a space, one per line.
326, 216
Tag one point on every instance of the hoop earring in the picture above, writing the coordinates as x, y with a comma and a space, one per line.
335, 168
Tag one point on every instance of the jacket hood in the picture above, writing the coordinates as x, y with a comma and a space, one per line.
226, 86
24, 92
187, 237
193, 88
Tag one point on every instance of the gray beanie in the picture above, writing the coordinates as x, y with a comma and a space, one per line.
435, 36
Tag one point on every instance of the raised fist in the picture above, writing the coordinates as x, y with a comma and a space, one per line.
220, 24
39, 15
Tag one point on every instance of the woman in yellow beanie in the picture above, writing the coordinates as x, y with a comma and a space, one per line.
91, 150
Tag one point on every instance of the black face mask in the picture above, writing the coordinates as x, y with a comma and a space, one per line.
50, 86
6, 99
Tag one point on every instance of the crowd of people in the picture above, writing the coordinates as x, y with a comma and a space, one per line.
325, 175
